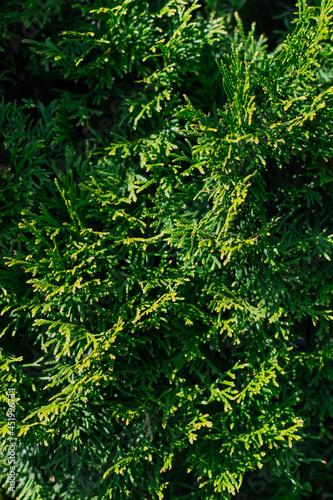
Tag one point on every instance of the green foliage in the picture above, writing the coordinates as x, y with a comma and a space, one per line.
166, 252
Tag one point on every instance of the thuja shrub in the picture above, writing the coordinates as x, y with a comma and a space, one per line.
166, 275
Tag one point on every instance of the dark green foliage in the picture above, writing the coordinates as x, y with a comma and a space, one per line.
166, 210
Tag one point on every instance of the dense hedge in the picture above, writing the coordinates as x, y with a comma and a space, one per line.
166, 240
